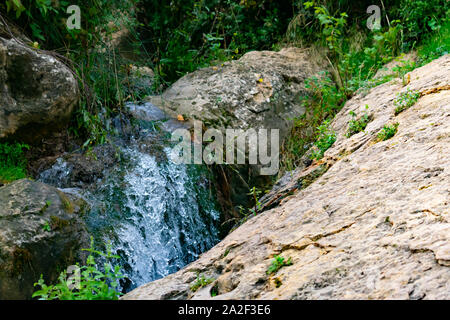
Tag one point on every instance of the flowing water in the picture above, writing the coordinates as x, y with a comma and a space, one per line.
158, 216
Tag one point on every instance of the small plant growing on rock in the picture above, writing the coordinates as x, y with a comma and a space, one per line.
87, 284
46, 227
388, 132
326, 138
200, 282
357, 125
405, 100
277, 263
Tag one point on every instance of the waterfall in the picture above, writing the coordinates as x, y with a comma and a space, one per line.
158, 215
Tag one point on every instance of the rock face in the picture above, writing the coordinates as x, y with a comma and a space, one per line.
36, 90
373, 223
40, 233
260, 90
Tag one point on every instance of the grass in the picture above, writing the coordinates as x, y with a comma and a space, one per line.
12, 162
436, 45
200, 282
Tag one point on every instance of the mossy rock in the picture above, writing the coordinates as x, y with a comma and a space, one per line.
28, 248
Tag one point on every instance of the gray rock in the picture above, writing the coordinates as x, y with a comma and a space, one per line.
374, 225
37, 92
41, 232
260, 90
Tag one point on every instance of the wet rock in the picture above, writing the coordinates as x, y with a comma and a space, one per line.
80, 169
41, 232
374, 225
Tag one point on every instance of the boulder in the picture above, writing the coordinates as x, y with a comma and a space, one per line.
37, 92
371, 220
260, 90
41, 232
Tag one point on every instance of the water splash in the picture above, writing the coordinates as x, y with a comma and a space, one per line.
159, 216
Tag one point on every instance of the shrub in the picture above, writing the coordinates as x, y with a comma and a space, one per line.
357, 125
421, 17
388, 132
326, 138
405, 100
93, 284
184, 35
277, 263
200, 282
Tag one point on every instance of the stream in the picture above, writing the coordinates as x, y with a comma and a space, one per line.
157, 215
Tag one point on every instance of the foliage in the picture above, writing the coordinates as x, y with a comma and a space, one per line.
405, 100
357, 125
435, 44
420, 18
255, 193
12, 161
277, 263
46, 227
388, 132
200, 282
323, 102
88, 284
326, 138
184, 35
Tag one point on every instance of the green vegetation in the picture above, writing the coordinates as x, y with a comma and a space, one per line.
277, 263
357, 125
88, 284
200, 282
184, 35
46, 227
326, 138
388, 132
354, 54
405, 100
12, 162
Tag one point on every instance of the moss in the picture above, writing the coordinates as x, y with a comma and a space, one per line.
45, 207
21, 259
57, 223
67, 204
313, 176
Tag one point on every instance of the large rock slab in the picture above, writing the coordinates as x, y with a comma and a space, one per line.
373, 223
41, 232
37, 92
260, 90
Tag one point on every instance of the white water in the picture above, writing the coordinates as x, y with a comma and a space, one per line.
159, 216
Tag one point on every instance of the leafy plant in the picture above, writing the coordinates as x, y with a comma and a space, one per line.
200, 282
326, 138
12, 161
420, 18
88, 284
255, 193
277, 263
185, 35
388, 132
46, 227
405, 100
357, 125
